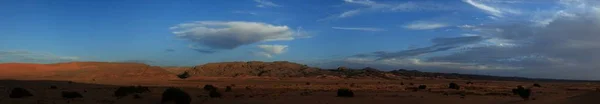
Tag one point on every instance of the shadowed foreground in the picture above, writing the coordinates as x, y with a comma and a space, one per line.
299, 91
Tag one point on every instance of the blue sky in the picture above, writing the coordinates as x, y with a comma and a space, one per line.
498, 37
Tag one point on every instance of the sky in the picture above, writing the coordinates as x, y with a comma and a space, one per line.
527, 38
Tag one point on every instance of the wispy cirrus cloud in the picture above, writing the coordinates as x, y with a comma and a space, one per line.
359, 28
265, 4
495, 11
365, 6
424, 25
245, 12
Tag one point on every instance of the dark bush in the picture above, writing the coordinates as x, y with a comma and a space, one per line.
344, 92
537, 85
228, 89
401, 83
175, 95
136, 96
307, 83
248, 88
124, 91
522, 92
19, 93
453, 86
53, 87
469, 82
209, 87
214, 94
184, 75
411, 84
422, 86
71, 94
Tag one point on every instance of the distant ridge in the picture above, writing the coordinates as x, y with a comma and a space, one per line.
277, 69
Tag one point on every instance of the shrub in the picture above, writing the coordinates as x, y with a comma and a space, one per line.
53, 87
411, 84
136, 96
344, 92
307, 83
469, 82
453, 86
71, 94
537, 85
228, 89
522, 92
248, 88
214, 94
184, 75
176, 96
19, 93
209, 87
124, 91
422, 86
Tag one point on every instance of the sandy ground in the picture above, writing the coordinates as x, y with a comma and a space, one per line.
306, 91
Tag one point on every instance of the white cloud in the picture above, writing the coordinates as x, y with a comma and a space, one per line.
349, 13
358, 28
265, 3
466, 26
424, 25
486, 8
216, 35
415, 62
262, 54
372, 6
245, 12
273, 49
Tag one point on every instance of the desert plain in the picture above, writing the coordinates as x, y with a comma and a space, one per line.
276, 83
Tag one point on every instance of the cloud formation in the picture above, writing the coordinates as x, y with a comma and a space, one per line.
440, 44
358, 28
424, 25
365, 6
212, 36
34, 57
270, 50
496, 12
265, 3
566, 44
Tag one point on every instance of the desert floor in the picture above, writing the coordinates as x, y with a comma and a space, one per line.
307, 91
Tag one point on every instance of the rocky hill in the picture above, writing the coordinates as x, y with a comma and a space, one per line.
253, 68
